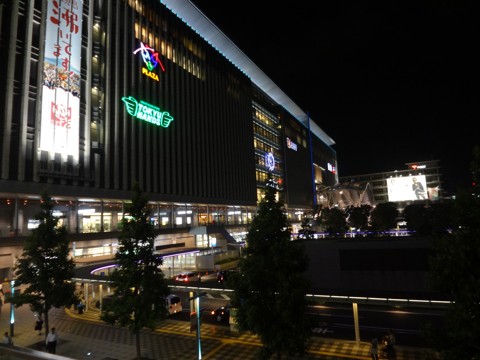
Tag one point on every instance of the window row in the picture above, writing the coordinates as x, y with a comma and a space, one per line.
17, 216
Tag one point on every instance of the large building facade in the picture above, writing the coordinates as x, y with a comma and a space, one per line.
96, 96
418, 182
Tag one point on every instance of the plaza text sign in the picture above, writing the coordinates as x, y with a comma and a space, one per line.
150, 60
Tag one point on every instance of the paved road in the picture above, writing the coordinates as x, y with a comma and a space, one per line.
83, 336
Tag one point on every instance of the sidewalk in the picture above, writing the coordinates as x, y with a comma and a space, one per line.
84, 336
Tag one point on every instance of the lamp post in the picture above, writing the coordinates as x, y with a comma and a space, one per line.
12, 312
356, 323
197, 308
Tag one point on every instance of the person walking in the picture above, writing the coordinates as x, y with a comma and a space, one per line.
7, 340
391, 338
51, 341
39, 325
374, 349
391, 342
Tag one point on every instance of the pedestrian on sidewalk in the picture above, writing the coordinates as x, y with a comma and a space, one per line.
7, 340
39, 325
2, 299
51, 341
374, 349
389, 341
392, 351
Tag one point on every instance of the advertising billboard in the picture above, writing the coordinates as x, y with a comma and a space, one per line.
61, 78
407, 188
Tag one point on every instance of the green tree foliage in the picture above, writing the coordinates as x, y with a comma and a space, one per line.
384, 216
455, 270
475, 169
334, 220
45, 267
429, 219
139, 284
269, 291
358, 216
442, 219
418, 219
306, 231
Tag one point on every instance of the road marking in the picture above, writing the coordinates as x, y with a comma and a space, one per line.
321, 330
217, 296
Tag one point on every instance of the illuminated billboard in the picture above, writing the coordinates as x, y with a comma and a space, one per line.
60, 126
151, 60
407, 188
147, 112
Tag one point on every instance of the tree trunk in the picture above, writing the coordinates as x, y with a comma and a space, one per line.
137, 341
47, 328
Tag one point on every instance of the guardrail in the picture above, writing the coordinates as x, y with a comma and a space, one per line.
334, 298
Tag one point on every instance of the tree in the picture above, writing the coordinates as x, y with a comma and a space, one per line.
270, 288
358, 216
384, 216
429, 219
455, 271
140, 288
334, 220
45, 267
306, 231
442, 218
417, 218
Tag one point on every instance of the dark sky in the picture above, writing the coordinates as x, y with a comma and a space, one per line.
390, 81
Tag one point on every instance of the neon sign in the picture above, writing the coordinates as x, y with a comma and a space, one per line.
150, 59
291, 144
331, 168
147, 112
270, 161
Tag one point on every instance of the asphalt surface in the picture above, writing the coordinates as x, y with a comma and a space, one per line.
84, 336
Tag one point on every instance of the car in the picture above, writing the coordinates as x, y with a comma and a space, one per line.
221, 314
174, 304
188, 276
222, 275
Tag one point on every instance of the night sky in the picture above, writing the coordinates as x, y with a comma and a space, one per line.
390, 81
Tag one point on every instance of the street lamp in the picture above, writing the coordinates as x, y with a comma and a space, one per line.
12, 312
197, 307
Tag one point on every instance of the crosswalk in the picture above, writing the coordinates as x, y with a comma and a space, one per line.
321, 330
217, 296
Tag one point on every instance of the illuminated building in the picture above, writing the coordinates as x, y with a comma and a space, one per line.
400, 186
97, 95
